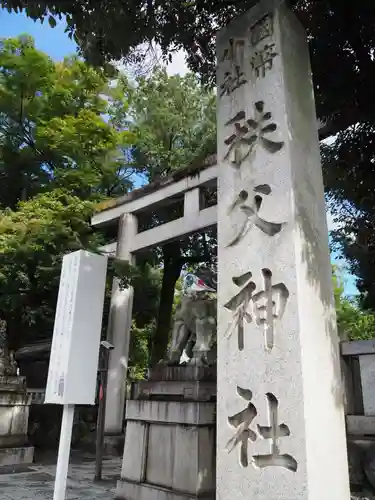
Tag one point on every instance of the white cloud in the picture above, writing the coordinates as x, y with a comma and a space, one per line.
154, 56
178, 64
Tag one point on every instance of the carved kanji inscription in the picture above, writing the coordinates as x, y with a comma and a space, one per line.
244, 435
234, 76
263, 308
248, 208
261, 30
249, 133
232, 80
262, 59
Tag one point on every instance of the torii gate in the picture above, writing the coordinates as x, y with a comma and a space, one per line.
185, 185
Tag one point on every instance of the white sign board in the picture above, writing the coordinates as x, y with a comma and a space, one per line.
76, 336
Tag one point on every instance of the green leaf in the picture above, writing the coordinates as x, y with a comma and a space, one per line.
52, 21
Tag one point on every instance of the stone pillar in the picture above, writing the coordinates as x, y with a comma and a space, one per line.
281, 428
119, 325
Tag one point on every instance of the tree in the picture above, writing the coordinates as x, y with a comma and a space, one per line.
174, 123
343, 67
115, 29
146, 281
350, 178
112, 29
174, 126
33, 240
353, 323
62, 150
52, 130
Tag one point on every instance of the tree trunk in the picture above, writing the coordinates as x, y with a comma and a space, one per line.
172, 269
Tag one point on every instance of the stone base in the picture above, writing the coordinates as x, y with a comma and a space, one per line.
170, 443
14, 417
183, 373
136, 491
172, 391
361, 451
22, 455
12, 384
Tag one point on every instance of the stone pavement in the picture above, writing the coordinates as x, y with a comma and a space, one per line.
36, 482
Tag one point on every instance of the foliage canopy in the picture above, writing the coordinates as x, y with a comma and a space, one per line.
58, 157
343, 64
66, 143
33, 240
52, 131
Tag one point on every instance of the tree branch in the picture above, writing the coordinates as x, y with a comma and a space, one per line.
195, 259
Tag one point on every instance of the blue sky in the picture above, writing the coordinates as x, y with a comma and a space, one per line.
56, 43
53, 41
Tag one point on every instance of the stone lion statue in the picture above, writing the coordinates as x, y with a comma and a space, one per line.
195, 322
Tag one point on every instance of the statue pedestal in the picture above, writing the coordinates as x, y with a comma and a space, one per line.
170, 443
14, 416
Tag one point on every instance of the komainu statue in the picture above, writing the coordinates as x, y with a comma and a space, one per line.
195, 322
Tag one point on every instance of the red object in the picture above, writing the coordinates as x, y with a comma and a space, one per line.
201, 283
100, 392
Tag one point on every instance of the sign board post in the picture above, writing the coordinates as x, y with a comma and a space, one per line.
64, 452
75, 346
